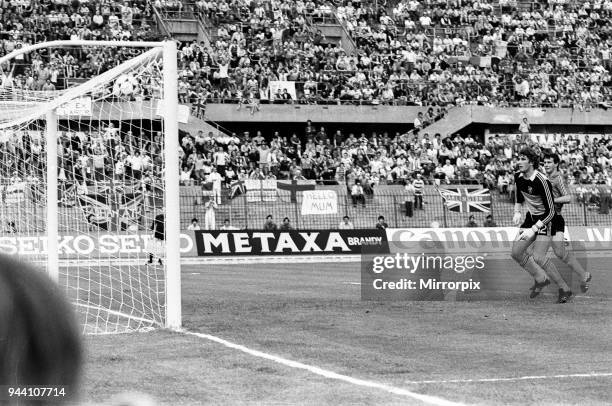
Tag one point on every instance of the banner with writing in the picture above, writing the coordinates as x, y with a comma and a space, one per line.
319, 202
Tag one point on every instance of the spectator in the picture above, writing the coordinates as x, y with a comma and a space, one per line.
418, 121
286, 226
418, 186
524, 129
215, 179
269, 225
11, 227
194, 225
185, 175
357, 194
210, 207
227, 226
381, 224
410, 198
471, 222
489, 222
136, 164
346, 224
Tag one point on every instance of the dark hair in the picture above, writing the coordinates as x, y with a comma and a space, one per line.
286, 218
40, 341
269, 216
553, 156
531, 155
381, 217
228, 220
346, 217
194, 219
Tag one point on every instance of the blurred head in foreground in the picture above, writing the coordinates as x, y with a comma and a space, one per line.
40, 341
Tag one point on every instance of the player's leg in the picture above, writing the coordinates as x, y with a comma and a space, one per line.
521, 256
540, 251
569, 258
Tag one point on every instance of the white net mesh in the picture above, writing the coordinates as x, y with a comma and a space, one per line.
110, 174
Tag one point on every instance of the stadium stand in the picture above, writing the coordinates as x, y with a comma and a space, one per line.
408, 53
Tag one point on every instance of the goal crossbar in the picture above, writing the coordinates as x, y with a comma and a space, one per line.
83, 88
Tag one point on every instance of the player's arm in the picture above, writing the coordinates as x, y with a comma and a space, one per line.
565, 196
518, 201
548, 201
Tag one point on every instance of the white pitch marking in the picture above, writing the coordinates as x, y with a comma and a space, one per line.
432, 400
518, 378
351, 283
196, 273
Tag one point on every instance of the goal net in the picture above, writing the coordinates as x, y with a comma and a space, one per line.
84, 162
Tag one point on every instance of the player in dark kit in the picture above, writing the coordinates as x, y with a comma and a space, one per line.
535, 191
562, 196
159, 236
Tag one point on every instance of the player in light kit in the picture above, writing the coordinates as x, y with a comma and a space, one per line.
562, 196
535, 191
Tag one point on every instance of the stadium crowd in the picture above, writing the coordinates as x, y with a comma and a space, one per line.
338, 158
436, 52
423, 53
382, 158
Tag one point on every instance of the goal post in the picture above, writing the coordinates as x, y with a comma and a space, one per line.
173, 257
52, 197
82, 186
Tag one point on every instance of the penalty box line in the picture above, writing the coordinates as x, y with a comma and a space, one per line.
431, 400
517, 378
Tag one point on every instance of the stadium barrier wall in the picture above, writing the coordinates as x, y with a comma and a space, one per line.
273, 113
70, 246
286, 243
293, 242
318, 242
221, 112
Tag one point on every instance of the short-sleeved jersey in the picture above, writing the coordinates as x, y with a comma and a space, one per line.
536, 193
558, 187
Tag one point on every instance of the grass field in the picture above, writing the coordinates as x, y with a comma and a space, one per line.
312, 313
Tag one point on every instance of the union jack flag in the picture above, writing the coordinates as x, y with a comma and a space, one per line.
463, 199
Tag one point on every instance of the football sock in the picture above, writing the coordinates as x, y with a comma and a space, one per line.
534, 269
570, 259
551, 270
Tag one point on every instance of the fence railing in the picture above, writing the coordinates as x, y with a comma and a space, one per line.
398, 210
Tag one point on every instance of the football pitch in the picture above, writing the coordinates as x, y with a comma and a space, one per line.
299, 333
